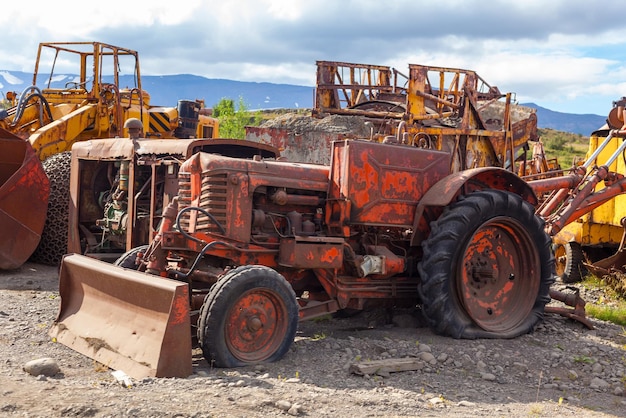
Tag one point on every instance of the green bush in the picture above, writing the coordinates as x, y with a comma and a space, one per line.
234, 119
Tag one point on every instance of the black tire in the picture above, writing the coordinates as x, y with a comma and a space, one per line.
487, 268
249, 316
53, 243
127, 260
570, 262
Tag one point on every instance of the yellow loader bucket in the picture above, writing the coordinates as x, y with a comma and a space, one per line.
124, 319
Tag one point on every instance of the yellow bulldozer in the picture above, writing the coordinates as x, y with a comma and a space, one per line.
43, 122
595, 241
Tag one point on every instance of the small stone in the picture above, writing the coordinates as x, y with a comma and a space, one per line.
428, 357
488, 376
43, 366
597, 383
295, 409
283, 405
423, 348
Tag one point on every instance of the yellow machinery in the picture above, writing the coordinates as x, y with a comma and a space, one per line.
583, 245
55, 112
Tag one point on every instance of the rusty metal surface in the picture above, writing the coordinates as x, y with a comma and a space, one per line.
577, 304
307, 147
311, 252
24, 190
440, 108
380, 184
183, 148
152, 170
587, 187
125, 319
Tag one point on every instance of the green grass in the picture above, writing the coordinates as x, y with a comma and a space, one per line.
611, 307
564, 146
616, 315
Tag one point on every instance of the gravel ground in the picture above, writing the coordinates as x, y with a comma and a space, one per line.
562, 369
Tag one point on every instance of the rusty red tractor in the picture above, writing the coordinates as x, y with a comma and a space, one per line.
249, 247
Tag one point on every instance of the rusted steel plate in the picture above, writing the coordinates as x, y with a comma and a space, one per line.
307, 146
313, 252
24, 193
380, 184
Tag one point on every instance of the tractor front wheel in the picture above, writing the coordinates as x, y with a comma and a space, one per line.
487, 268
128, 259
249, 316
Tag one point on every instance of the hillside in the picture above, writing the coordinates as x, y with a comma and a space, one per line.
166, 90
567, 122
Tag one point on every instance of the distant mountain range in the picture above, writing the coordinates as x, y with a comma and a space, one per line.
567, 122
168, 89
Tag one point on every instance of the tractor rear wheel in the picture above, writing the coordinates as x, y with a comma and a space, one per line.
487, 268
569, 262
53, 243
249, 316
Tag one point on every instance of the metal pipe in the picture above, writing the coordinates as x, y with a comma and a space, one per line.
616, 154
598, 150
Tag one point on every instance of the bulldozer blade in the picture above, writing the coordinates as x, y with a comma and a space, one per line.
124, 319
616, 262
24, 193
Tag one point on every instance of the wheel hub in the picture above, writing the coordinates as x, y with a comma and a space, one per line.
497, 254
254, 324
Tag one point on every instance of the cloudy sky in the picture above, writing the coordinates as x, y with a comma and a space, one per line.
568, 56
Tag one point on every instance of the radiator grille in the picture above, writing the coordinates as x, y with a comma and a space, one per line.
213, 199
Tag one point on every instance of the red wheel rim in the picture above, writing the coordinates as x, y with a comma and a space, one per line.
499, 275
256, 325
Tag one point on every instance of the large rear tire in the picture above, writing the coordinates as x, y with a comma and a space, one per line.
487, 268
53, 243
249, 316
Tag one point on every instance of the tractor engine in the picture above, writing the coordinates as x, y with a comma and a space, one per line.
115, 204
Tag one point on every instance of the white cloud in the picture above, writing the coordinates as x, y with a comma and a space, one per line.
546, 52
10, 78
